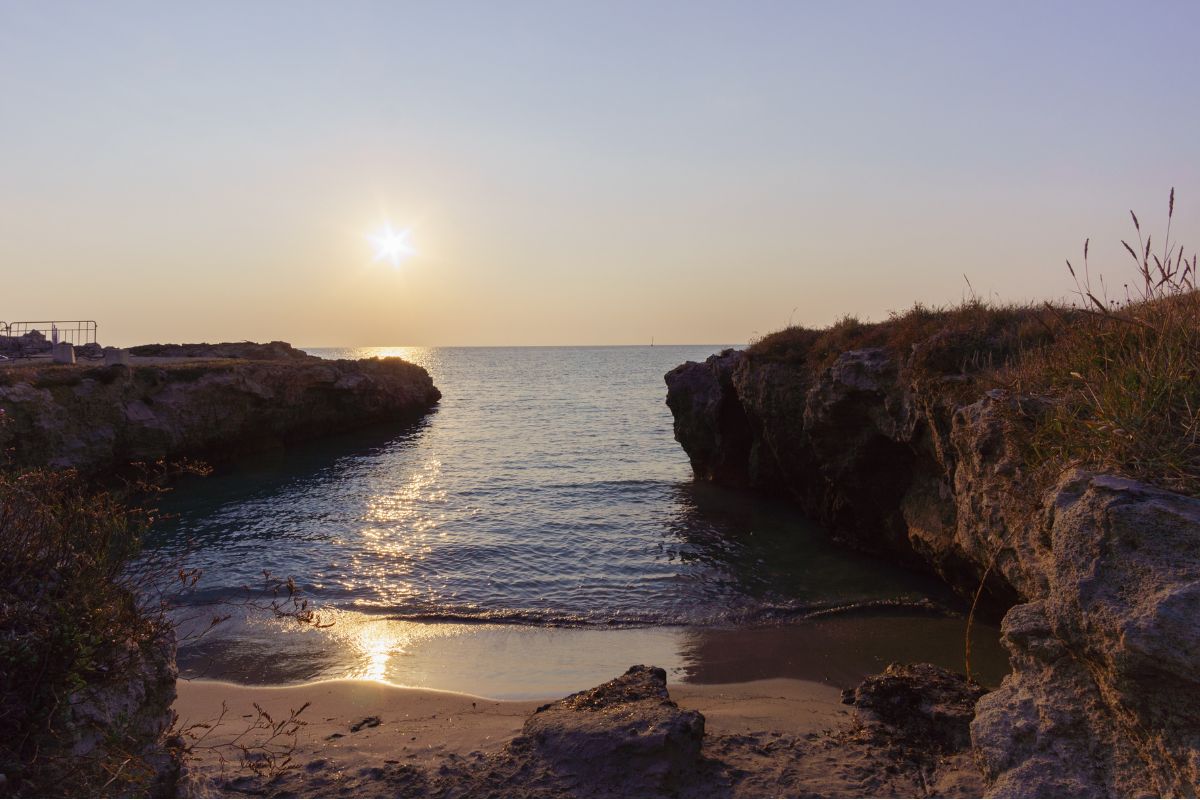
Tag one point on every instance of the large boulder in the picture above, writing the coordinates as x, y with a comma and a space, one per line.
1104, 698
624, 738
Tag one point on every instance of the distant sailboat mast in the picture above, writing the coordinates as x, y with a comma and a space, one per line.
652, 341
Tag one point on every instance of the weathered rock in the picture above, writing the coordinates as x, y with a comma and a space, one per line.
914, 720
94, 418
884, 466
1105, 694
270, 351
624, 738
1045, 732
921, 703
1104, 697
709, 417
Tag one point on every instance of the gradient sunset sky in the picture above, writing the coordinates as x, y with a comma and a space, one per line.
575, 173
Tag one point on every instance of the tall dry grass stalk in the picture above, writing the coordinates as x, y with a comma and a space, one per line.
1124, 374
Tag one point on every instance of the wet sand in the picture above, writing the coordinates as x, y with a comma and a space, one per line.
516, 662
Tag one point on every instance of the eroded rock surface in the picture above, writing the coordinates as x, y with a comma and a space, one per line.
1104, 698
886, 467
254, 351
95, 418
926, 705
1102, 574
624, 738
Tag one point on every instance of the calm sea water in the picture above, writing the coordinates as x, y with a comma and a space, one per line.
543, 508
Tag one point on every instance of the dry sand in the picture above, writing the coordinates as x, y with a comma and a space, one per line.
421, 729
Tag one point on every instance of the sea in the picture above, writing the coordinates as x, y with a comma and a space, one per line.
537, 533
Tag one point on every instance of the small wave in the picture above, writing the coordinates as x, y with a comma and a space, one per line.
757, 615
924, 607
533, 619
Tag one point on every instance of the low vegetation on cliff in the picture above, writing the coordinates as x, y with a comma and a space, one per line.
1117, 379
74, 639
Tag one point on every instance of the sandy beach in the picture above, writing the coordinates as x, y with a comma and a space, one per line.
358, 733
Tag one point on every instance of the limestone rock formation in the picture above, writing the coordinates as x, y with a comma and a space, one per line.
924, 703
270, 351
1102, 574
98, 417
1104, 698
915, 719
623, 738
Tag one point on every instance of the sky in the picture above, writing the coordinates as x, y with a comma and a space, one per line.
576, 173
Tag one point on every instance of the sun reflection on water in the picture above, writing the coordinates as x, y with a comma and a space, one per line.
374, 646
371, 645
421, 356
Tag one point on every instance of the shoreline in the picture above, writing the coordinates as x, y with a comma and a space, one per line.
401, 729
513, 662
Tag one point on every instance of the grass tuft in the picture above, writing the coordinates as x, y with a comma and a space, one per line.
1123, 377
1119, 376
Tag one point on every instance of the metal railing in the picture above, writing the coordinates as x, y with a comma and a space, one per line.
31, 338
77, 332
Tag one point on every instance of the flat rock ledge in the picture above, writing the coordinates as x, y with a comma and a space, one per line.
251, 397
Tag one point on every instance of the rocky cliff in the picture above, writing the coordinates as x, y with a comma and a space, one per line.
1100, 576
97, 417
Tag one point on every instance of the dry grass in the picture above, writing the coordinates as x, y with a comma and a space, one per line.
1120, 376
1124, 377
960, 342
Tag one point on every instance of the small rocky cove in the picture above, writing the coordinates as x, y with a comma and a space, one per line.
1097, 576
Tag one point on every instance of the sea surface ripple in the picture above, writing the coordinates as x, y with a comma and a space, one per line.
545, 489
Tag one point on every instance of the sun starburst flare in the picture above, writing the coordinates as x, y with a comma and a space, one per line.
392, 245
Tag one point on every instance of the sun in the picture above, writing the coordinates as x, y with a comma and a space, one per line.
392, 245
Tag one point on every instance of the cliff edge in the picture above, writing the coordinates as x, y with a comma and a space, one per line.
898, 451
98, 417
